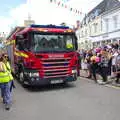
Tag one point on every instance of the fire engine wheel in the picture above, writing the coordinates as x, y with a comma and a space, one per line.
21, 78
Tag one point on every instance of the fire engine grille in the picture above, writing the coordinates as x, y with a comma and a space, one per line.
54, 68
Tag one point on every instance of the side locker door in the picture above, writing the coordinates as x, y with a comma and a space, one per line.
11, 54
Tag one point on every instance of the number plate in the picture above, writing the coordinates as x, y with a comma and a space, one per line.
56, 81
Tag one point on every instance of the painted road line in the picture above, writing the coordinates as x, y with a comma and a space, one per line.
112, 86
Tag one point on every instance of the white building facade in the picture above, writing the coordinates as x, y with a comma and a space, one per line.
110, 28
100, 26
88, 33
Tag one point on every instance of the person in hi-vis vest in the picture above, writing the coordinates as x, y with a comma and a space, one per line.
69, 46
5, 84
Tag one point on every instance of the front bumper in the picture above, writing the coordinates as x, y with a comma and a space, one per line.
36, 81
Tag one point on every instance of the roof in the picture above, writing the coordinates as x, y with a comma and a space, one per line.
39, 28
45, 30
102, 7
105, 5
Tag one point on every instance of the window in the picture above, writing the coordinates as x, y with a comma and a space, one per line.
107, 24
95, 27
81, 33
92, 16
22, 45
115, 21
86, 32
101, 25
53, 42
90, 30
22, 42
96, 13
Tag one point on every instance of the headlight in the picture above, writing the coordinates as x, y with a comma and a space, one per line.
74, 71
34, 74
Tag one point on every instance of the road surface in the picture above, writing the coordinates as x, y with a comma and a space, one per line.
82, 100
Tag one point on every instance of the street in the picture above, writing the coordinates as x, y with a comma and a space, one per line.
81, 100
68, 38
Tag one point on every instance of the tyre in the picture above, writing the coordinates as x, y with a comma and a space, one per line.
21, 77
22, 80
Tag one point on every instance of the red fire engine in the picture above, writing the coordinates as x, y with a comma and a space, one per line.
43, 54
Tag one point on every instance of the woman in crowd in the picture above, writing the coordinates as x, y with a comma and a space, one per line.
118, 67
104, 65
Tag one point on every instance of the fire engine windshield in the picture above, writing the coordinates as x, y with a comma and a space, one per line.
53, 43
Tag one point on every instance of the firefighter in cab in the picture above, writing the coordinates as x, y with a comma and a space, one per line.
5, 83
69, 45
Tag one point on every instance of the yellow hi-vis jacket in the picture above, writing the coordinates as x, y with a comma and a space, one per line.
9, 70
69, 45
4, 76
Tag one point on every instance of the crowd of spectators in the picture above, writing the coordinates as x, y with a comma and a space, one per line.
103, 61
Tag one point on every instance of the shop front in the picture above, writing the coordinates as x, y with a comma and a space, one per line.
105, 39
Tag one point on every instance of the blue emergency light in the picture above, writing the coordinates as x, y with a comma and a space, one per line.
49, 26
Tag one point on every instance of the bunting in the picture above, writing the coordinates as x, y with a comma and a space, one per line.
61, 3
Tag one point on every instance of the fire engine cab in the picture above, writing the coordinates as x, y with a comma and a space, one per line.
43, 54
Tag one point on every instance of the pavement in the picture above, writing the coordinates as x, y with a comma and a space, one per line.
110, 81
80, 100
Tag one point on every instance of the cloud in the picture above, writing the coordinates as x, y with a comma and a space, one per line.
19, 14
5, 24
44, 12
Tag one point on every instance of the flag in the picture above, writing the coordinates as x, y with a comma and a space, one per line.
65, 6
58, 3
70, 9
65, 0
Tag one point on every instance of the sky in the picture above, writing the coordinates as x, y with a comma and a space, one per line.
14, 12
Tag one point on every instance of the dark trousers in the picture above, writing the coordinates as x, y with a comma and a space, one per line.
94, 69
5, 92
103, 72
118, 76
